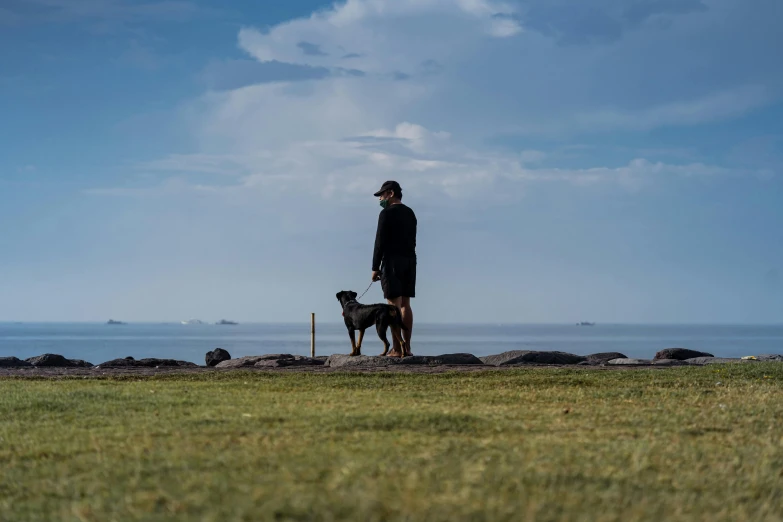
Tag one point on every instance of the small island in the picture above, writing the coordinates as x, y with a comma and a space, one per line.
585, 323
112, 321
225, 322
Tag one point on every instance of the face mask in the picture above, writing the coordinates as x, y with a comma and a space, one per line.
384, 203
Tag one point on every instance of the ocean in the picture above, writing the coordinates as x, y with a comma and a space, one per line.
97, 343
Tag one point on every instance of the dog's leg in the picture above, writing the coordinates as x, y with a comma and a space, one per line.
359, 344
352, 335
397, 333
380, 327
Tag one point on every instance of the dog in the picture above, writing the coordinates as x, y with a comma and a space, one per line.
360, 317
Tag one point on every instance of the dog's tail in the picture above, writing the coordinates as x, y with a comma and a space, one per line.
396, 315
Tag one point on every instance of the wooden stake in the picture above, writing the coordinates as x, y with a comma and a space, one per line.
312, 335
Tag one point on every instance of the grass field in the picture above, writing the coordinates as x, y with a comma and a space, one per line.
530, 444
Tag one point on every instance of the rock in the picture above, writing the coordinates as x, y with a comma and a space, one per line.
272, 360
445, 359
680, 354
602, 358
165, 362
13, 362
369, 361
360, 361
241, 362
645, 362
630, 362
499, 359
250, 360
51, 360
532, 357
300, 360
273, 363
130, 362
80, 363
669, 362
216, 356
769, 357
701, 361
296, 360
553, 358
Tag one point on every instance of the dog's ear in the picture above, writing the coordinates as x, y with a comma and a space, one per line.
352, 295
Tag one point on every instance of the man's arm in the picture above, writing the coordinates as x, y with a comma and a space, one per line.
415, 229
377, 254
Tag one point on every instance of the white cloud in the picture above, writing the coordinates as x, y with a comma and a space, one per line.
173, 186
709, 108
412, 136
425, 162
712, 107
271, 116
464, 72
378, 33
196, 163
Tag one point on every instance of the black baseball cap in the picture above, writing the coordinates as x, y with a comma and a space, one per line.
389, 185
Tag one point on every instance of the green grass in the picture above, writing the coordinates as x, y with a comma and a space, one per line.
537, 444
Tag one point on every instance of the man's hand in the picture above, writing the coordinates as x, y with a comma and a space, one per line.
376, 275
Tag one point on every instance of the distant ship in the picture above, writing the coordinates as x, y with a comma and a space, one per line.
192, 321
224, 322
112, 321
585, 323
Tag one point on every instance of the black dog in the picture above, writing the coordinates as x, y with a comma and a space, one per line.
360, 317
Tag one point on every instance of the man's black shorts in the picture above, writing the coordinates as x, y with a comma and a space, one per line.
398, 277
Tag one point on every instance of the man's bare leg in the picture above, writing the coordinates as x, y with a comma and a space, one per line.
396, 349
404, 304
407, 320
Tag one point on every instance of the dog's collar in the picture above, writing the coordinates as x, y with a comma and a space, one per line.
346, 304
351, 301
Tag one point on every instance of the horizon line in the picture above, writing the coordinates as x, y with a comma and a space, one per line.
428, 323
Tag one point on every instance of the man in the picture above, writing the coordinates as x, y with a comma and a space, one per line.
394, 257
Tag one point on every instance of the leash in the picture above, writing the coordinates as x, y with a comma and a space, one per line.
368, 289
357, 299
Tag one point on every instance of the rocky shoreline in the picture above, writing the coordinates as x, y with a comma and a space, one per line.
54, 365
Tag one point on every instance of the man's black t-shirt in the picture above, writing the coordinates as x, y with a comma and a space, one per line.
396, 234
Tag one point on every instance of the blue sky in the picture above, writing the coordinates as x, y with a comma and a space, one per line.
606, 160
